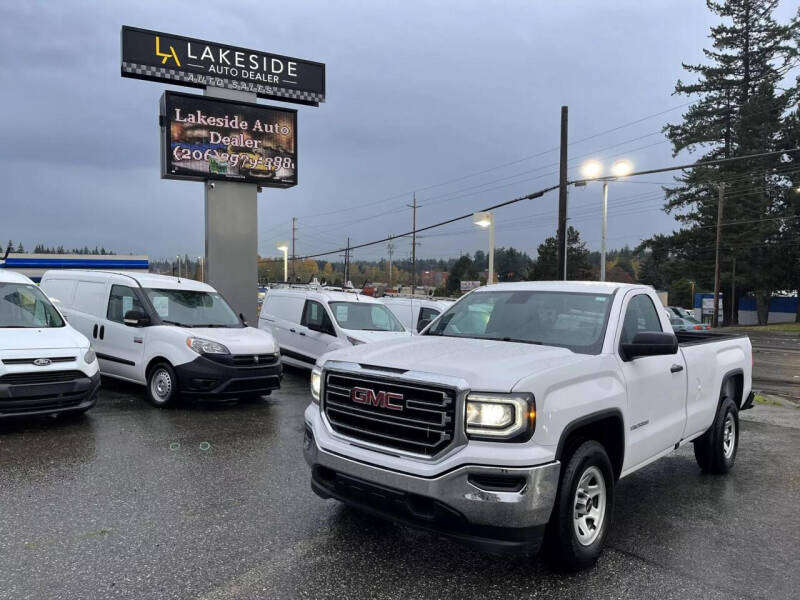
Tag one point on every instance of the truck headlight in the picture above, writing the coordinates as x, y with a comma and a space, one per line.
203, 346
90, 356
316, 383
500, 416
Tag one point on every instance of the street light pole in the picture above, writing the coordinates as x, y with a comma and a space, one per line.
603, 237
491, 250
486, 219
284, 247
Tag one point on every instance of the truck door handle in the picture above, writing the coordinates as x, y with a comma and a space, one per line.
293, 330
94, 331
302, 333
676, 368
102, 331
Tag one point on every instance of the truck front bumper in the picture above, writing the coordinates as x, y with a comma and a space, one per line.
498, 508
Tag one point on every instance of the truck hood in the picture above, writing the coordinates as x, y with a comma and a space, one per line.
47, 338
486, 365
240, 340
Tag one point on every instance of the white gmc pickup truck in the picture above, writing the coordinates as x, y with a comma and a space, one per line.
511, 418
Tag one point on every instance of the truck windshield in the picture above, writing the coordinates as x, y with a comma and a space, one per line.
365, 316
25, 306
190, 308
567, 319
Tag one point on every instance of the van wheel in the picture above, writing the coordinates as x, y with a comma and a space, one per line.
584, 505
162, 385
715, 450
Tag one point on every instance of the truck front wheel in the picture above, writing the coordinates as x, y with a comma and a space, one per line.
715, 450
584, 504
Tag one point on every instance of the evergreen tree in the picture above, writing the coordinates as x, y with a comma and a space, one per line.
578, 266
739, 111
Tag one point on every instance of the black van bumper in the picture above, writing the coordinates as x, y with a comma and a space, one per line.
75, 392
227, 376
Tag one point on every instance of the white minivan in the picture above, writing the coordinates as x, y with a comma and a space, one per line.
46, 366
415, 313
309, 322
175, 336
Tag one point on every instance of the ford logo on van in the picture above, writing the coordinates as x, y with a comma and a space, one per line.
382, 399
42, 362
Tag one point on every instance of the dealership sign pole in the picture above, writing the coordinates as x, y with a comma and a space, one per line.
225, 138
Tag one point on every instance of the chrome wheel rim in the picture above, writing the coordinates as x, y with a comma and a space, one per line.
589, 510
728, 436
161, 385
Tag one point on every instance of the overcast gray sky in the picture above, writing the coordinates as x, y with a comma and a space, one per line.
419, 93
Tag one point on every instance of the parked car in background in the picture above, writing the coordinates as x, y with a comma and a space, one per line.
175, 336
415, 313
679, 324
515, 413
46, 366
683, 313
310, 321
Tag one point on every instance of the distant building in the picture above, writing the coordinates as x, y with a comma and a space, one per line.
433, 278
34, 265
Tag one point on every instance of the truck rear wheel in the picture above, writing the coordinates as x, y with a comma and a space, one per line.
584, 505
715, 450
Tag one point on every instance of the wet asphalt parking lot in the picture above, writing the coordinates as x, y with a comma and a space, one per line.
214, 502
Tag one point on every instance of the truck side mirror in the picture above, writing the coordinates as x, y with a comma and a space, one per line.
136, 318
650, 343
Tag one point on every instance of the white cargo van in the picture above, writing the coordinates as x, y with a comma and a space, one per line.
308, 322
45, 365
175, 336
415, 313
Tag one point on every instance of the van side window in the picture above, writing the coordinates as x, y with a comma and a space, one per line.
120, 301
641, 315
426, 315
315, 317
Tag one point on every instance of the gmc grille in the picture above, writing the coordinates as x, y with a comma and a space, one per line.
425, 425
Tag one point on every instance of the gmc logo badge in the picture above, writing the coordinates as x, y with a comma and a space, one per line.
388, 400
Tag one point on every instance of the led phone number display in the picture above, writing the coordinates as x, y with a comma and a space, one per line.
234, 159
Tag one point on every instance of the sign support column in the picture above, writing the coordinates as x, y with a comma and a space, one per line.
231, 237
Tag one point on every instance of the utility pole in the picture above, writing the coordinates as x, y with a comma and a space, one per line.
413, 244
347, 263
715, 318
390, 250
562, 199
734, 317
294, 228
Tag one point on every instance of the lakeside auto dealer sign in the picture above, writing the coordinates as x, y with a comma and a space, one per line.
197, 63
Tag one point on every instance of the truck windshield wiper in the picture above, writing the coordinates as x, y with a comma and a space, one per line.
510, 339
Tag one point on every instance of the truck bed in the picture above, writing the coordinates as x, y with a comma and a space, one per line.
691, 338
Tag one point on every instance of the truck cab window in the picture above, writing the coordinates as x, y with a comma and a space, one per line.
641, 315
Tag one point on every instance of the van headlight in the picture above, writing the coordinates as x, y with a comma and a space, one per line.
500, 416
90, 356
316, 383
203, 346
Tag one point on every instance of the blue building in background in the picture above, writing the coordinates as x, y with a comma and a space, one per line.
34, 265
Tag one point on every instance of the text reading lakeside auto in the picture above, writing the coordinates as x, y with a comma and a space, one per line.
46, 366
175, 336
514, 414
308, 322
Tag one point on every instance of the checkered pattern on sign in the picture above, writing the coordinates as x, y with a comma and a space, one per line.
233, 84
